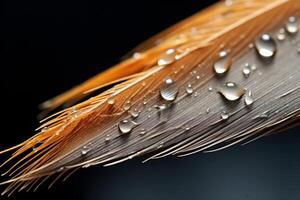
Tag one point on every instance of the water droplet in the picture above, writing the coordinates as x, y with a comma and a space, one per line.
222, 65
167, 58
281, 35
208, 110
169, 90
127, 105
210, 89
224, 115
265, 46
251, 45
197, 77
107, 139
134, 113
142, 132
246, 69
248, 98
231, 91
84, 150
36, 145
136, 55
189, 89
111, 100
291, 25
125, 126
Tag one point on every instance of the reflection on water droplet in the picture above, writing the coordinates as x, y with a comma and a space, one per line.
167, 58
246, 69
222, 65
231, 91
127, 105
248, 98
168, 90
281, 35
111, 100
224, 115
189, 89
291, 26
265, 46
125, 126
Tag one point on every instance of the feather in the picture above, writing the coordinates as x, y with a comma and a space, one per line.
169, 100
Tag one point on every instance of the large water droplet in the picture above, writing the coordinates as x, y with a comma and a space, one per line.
265, 46
248, 98
291, 25
168, 90
231, 91
246, 69
222, 65
189, 89
166, 58
125, 126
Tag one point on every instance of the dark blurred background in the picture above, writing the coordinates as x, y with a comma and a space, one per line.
50, 46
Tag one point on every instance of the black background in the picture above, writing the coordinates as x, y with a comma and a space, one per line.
49, 47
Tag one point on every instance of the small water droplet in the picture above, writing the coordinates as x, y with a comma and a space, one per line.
291, 26
210, 89
248, 98
189, 89
246, 69
127, 105
142, 132
134, 113
197, 77
224, 115
136, 55
251, 45
167, 58
125, 126
281, 34
231, 91
265, 46
168, 90
107, 138
111, 100
222, 65
84, 150
208, 110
